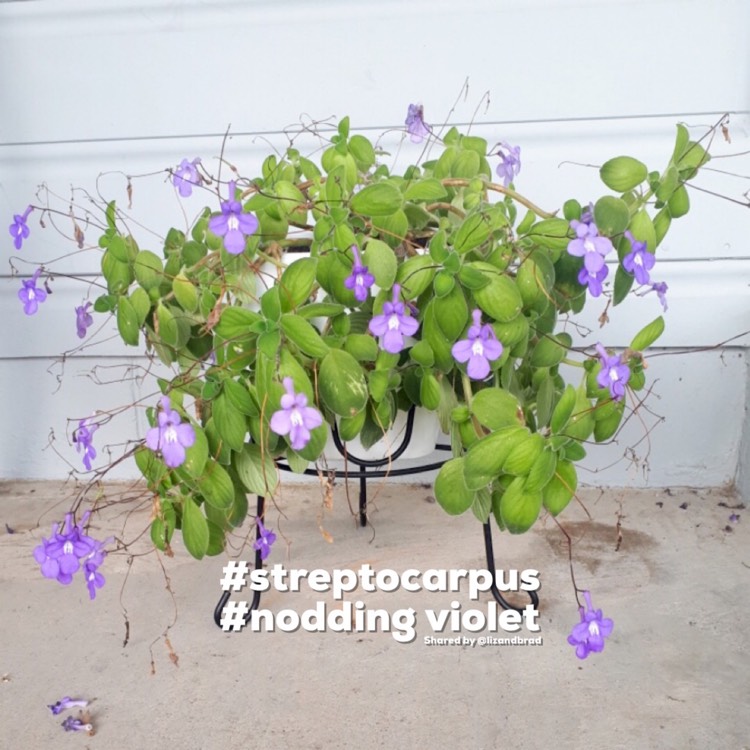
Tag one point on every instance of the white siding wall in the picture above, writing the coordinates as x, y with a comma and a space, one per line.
132, 87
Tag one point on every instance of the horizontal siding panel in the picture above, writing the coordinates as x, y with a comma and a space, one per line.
556, 158
96, 70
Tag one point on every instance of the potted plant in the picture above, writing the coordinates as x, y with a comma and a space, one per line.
441, 287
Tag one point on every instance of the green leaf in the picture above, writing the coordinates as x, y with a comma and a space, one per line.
415, 275
362, 347
548, 352
194, 529
519, 507
643, 230
554, 234
297, 282
236, 322
381, 262
216, 486
321, 310
500, 299
648, 335
472, 233
451, 313
185, 293
482, 505
623, 284
380, 199
257, 472
362, 151
679, 203
561, 488
342, 384
239, 398
304, 335
141, 304
148, 269
119, 275
197, 454
612, 215
563, 410
270, 303
230, 423
428, 189
450, 491
495, 408
623, 173
127, 321
486, 456
105, 303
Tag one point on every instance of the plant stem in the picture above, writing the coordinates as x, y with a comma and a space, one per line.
457, 182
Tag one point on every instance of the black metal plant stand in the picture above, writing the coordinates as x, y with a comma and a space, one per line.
372, 469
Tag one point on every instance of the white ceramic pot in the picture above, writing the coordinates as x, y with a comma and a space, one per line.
424, 437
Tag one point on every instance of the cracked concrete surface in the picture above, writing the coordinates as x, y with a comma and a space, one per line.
675, 673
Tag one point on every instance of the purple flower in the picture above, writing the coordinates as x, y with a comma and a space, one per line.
587, 214
589, 245
66, 703
415, 124
478, 348
83, 320
83, 437
639, 261
19, 229
76, 725
30, 295
171, 436
61, 555
295, 418
661, 288
233, 225
593, 279
360, 279
185, 176
265, 539
734, 518
510, 162
589, 634
614, 373
393, 324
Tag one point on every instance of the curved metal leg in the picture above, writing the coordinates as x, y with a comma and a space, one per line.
493, 572
219, 611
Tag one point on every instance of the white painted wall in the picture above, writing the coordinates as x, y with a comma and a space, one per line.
133, 86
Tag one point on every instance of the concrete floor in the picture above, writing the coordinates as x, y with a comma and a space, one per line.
674, 674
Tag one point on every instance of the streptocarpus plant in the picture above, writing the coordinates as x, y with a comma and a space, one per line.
438, 288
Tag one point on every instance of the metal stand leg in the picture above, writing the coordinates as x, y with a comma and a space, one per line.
219, 611
493, 572
363, 498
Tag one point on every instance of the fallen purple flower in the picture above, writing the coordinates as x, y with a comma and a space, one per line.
76, 725
66, 703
